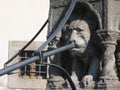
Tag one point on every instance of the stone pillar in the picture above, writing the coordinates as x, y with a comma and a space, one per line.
108, 46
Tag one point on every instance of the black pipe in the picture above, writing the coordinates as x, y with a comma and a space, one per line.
67, 75
13, 67
27, 43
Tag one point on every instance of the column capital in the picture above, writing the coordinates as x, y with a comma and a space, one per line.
108, 36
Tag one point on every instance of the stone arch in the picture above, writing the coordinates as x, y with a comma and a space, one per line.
81, 11
83, 8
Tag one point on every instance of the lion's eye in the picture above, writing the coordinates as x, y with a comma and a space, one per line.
79, 30
70, 29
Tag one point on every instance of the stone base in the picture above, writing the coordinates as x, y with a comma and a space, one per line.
48, 87
57, 83
90, 86
102, 84
108, 84
113, 85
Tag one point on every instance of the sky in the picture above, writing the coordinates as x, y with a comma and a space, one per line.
20, 20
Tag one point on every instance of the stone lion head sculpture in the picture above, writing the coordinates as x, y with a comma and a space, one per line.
79, 33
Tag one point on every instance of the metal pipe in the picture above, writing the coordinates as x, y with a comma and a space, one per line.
59, 27
58, 50
13, 67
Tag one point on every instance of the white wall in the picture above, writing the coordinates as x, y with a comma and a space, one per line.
20, 20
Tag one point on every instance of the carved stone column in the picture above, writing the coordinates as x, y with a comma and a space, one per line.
108, 46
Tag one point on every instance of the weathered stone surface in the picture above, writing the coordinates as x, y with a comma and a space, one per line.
103, 19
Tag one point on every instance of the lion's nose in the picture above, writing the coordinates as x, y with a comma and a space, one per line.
74, 41
73, 36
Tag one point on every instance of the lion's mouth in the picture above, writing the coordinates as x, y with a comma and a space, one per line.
75, 49
78, 50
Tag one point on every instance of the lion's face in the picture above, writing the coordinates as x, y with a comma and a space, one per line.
80, 34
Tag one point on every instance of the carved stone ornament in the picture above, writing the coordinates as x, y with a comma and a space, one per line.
94, 27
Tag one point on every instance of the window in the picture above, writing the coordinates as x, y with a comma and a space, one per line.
33, 69
31, 76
